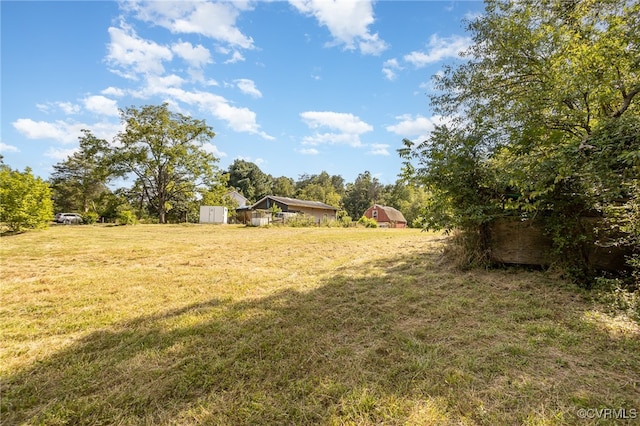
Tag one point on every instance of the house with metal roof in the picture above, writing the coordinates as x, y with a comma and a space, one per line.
320, 211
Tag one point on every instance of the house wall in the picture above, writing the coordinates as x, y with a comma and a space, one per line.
318, 214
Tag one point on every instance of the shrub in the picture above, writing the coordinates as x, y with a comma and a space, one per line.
126, 217
90, 218
301, 221
367, 222
25, 201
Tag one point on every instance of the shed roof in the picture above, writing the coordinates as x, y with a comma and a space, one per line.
393, 214
294, 202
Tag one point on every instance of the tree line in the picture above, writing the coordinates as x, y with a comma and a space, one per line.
158, 170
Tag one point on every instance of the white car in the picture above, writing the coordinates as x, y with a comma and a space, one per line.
68, 218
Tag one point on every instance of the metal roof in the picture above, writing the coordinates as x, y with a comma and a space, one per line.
297, 203
392, 214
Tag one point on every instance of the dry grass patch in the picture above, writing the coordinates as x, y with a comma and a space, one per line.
232, 325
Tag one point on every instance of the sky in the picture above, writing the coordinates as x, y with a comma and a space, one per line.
297, 87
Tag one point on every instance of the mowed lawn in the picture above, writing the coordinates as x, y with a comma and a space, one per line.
227, 325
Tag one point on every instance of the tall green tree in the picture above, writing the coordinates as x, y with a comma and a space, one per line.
284, 187
247, 177
80, 182
25, 200
164, 151
362, 193
320, 187
541, 117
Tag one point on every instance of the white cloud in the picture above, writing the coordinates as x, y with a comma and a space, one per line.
155, 85
69, 108
62, 131
348, 128
101, 105
66, 107
211, 148
59, 153
238, 119
248, 87
309, 151
196, 57
134, 55
439, 49
213, 20
257, 161
344, 122
379, 149
8, 148
348, 22
417, 127
236, 57
113, 91
333, 139
389, 68
58, 130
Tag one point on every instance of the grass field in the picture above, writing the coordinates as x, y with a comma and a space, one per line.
229, 325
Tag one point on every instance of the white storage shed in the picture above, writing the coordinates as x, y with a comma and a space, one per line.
213, 214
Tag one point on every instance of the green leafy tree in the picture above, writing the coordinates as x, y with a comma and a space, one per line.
164, 151
362, 194
79, 182
252, 182
408, 198
542, 119
321, 187
25, 200
284, 187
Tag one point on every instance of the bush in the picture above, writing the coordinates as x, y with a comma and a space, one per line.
367, 222
126, 217
25, 201
301, 221
90, 218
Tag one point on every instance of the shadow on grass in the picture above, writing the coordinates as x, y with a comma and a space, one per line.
395, 341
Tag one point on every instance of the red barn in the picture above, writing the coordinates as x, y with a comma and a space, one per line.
387, 217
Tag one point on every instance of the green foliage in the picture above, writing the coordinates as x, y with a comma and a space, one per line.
25, 201
619, 297
344, 219
301, 221
284, 187
323, 187
274, 210
367, 222
249, 180
79, 182
126, 217
543, 123
90, 218
362, 194
164, 151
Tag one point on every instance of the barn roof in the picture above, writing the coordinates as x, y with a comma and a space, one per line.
294, 202
393, 214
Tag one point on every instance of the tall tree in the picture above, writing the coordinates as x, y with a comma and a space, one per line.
284, 187
247, 177
81, 180
164, 151
362, 193
321, 187
543, 117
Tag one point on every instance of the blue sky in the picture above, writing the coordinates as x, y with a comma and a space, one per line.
296, 87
